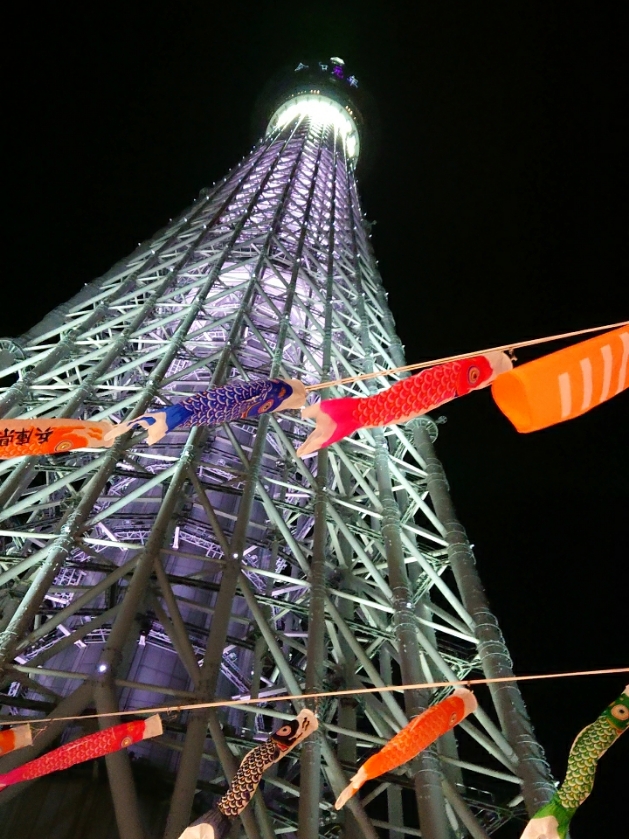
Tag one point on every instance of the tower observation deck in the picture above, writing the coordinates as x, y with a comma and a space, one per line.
217, 565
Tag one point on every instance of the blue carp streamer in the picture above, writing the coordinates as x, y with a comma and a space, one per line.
226, 403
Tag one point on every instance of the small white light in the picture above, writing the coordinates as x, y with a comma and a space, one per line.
102, 668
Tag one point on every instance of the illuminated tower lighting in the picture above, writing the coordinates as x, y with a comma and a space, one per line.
216, 564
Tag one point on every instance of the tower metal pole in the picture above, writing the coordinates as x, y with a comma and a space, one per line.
430, 801
310, 797
537, 786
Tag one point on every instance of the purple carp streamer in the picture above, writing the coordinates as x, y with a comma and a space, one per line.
226, 403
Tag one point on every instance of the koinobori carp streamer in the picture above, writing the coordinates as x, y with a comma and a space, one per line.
16, 737
85, 748
553, 819
50, 435
216, 823
225, 403
405, 400
420, 733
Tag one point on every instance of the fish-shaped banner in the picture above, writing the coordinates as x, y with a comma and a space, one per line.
420, 733
85, 748
216, 823
226, 403
553, 819
564, 384
405, 400
15, 738
50, 435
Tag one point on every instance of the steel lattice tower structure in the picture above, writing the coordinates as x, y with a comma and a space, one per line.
216, 564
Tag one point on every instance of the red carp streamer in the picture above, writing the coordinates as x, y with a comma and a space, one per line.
85, 748
405, 400
412, 739
564, 384
15, 738
50, 435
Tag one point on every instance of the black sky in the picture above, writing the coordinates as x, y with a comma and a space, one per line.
498, 180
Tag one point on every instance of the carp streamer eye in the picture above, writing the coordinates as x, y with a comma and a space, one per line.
473, 375
265, 407
620, 712
284, 731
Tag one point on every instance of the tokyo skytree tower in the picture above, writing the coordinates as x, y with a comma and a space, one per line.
215, 564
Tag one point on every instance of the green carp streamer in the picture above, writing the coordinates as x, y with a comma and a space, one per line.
553, 819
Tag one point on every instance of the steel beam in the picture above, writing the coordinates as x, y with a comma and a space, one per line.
532, 768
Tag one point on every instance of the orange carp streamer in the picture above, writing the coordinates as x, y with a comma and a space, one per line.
420, 733
565, 384
50, 435
15, 738
85, 748
405, 400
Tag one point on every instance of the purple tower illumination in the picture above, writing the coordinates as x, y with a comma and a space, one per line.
216, 564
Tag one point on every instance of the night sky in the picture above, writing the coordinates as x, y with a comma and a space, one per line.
497, 175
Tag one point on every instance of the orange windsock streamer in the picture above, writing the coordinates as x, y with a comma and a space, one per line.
420, 733
15, 738
565, 384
